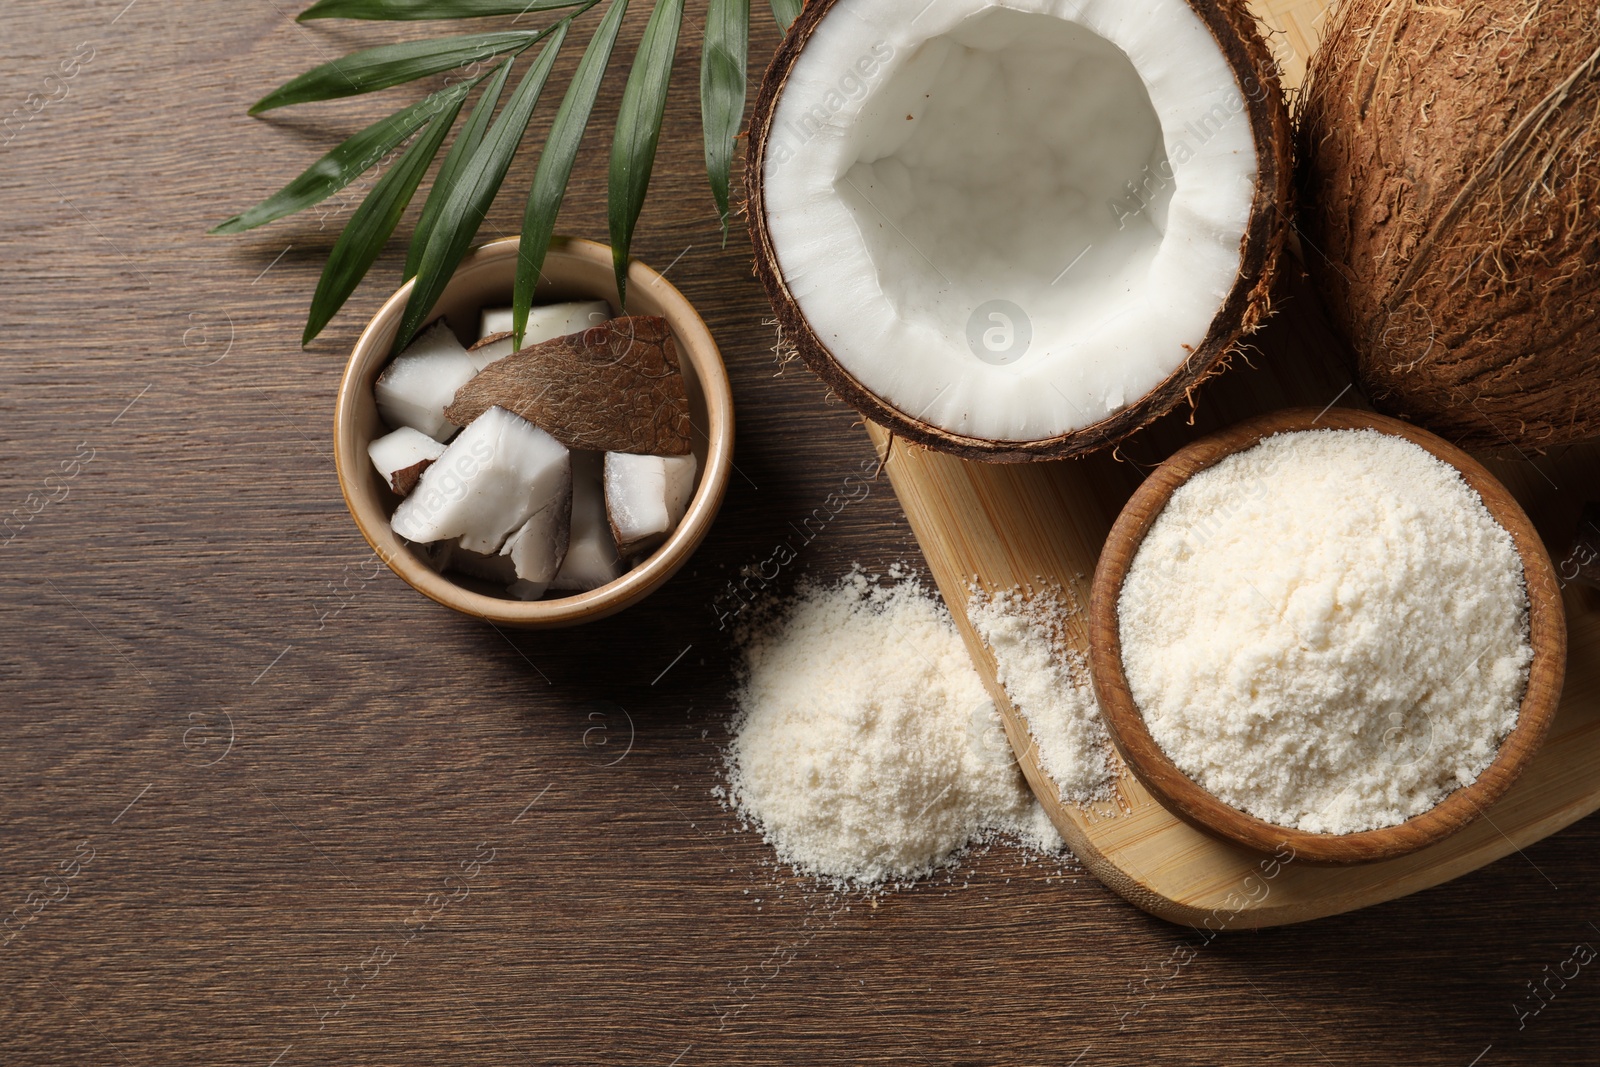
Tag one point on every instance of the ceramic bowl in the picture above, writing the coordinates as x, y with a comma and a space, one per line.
573, 270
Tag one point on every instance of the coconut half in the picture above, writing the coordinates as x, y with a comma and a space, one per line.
1022, 231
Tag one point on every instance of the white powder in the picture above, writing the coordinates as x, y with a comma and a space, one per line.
1329, 631
865, 746
1049, 686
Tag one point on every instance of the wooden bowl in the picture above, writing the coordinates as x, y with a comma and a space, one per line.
573, 270
1181, 794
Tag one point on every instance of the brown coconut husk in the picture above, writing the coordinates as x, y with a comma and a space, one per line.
1453, 212
616, 387
1248, 304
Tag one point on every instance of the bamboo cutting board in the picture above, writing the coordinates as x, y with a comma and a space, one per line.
1041, 526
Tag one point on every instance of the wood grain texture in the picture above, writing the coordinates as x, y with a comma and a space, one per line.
248, 758
1179, 794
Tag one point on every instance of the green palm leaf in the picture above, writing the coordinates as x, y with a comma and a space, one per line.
468, 203
633, 148
416, 10
374, 222
450, 170
786, 11
341, 166
555, 163
474, 169
722, 66
394, 64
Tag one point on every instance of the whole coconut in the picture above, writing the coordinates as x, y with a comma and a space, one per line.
1451, 185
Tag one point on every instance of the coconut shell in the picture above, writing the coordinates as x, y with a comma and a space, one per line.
1453, 213
616, 387
1247, 306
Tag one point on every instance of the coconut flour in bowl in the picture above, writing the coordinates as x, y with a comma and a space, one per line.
1328, 631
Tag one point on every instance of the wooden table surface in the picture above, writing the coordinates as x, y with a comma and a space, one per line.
262, 804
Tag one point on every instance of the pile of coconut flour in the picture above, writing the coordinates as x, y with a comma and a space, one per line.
1049, 687
1329, 630
865, 747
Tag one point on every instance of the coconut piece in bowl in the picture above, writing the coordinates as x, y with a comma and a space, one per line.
492, 479
546, 322
491, 349
496, 341
415, 388
538, 549
592, 559
646, 497
402, 456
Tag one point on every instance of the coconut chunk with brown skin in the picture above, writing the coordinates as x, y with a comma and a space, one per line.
592, 559
449, 556
547, 321
613, 388
646, 497
493, 478
418, 384
402, 456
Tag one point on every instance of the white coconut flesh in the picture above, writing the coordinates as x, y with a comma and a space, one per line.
646, 497
591, 559
484, 354
1009, 222
495, 476
419, 384
547, 321
400, 450
538, 549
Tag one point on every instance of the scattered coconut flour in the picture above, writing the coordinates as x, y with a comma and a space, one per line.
1329, 630
1049, 686
865, 747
